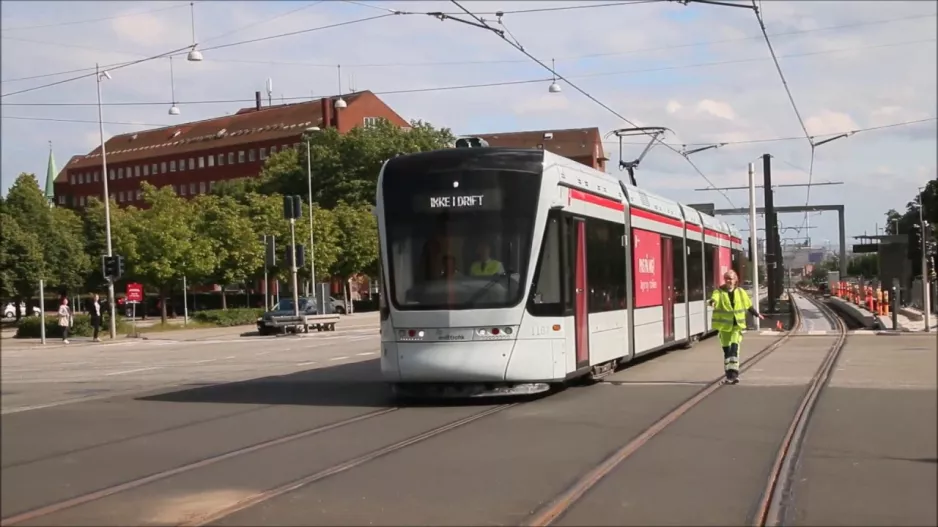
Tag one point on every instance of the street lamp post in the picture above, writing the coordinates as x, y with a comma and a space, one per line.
926, 286
112, 324
312, 251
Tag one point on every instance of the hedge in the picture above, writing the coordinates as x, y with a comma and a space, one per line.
228, 317
29, 327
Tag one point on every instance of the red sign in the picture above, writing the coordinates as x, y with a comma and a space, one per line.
724, 263
134, 292
646, 262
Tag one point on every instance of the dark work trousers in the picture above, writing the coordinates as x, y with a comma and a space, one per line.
96, 325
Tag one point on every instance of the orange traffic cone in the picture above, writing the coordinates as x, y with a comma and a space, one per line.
778, 325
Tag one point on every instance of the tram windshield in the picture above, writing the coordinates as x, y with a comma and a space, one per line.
458, 234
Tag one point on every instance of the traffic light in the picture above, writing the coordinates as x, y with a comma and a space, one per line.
292, 208
300, 256
112, 267
270, 250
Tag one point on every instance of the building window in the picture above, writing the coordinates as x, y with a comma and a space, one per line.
296, 146
201, 161
182, 189
110, 174
146, 170
192, 189
61, 200
139, 194
371, 121
263, 153
231, 158
284, 147
251, 155
137, 171
240, 156
153, 169
201, 187
120, 173
211, 186
97, 175
120, 195
191, 163
162, 167
172, 165
211, 161
273, 149
71, 179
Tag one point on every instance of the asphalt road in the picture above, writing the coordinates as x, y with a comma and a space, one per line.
813, 320
863, 462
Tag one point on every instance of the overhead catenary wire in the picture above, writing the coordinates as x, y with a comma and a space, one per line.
481, 23
483, 62
92, 20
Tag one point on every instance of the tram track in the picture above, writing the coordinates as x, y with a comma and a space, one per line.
259, 497
773, 499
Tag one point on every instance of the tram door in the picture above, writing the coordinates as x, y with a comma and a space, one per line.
580, 288
667, 286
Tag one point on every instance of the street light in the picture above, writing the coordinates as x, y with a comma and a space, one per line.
112, 325
173, 110
194, 54
340, 104
926, 286
309, 177
554, 87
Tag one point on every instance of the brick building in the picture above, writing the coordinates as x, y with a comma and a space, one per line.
192, 157
583, 145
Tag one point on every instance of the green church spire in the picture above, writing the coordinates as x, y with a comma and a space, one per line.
51, 172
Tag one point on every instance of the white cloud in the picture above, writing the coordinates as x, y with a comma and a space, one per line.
664, 84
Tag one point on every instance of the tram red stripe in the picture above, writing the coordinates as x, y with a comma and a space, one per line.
639, 213
694, 228
716, 234
596, 200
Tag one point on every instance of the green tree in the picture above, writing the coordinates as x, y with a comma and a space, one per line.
358, 239
239, 252
345, 167
166, 243
22, 263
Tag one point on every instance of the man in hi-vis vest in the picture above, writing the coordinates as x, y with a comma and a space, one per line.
730, 305
485, 265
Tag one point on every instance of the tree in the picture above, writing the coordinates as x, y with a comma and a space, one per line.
358, 238
22, 263
345, 167
166, 244
230, 232
58, 231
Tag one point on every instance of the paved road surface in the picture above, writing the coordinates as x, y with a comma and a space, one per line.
869, 457
813, 320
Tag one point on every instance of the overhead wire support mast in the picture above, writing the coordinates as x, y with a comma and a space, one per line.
480, 23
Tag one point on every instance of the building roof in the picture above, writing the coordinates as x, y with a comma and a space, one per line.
249, 125
572, 142
50, 176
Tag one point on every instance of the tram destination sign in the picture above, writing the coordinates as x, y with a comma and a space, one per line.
458, 201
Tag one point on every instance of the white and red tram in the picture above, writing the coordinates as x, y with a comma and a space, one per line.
581, 271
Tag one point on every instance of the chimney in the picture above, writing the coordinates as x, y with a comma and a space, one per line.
325, 105
257, 101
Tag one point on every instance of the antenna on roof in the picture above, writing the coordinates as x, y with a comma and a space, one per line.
270, 91
653, 131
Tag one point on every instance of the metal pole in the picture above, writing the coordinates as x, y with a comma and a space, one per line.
926, 306
42, 312
771, 251
296, 295
112, 323
266, 292
754, 242
312, 252
185, 302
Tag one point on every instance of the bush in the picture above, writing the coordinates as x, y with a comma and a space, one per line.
228, 317
30, 328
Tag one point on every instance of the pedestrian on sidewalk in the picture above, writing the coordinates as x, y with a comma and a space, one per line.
730, 305
96, 317
65, 319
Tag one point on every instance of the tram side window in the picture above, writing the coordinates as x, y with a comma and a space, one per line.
605, 266
738, 264
710, 252
695, 269
677, 255
546, 296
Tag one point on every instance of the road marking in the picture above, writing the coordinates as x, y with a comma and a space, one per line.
133, 371
130, 362
204, 361
306, 363
231, 357
339, 358
367, 353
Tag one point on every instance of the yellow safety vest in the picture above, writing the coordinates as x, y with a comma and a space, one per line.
489, 268
724, 312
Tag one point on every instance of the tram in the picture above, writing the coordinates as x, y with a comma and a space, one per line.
506, 271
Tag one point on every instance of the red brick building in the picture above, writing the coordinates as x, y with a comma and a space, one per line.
192, 157
583, 145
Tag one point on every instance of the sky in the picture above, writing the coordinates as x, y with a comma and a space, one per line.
702, 71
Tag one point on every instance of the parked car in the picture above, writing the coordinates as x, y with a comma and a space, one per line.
9, 311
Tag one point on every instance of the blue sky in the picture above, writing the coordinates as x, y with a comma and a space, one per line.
849, 65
